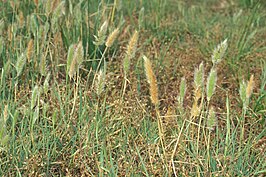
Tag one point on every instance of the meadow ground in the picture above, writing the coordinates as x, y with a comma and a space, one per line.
132, 88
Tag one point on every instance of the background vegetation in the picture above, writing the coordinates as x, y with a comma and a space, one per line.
132, 88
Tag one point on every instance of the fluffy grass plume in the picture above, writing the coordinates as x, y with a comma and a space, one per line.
195, 110
198, 82
74, 59
72, 68
211, 82
219, 52
30, 49
199, 76
3, 130
243, 92
250, 87
34, 96
151, 80
70, 56
57, 13
100, 82
21, 19
79, 55
141, 18
112, 37
42, 65
21, 61
132, 45
100, 38
46, 84
131, 50
211, 120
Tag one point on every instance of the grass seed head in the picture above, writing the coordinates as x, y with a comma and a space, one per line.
112, 37
131, 50
78, 55
211, 120
70, 56
132, 45
46, 84
34, 96
250, 87
242, 92
58, 11
74, 58
5, 115
141, 18
100, 83
199, 76
21, 19
21, 61
152, 81
72, 68
195, 110
219, 52
42, 65
100, 38
30, 49
211, 83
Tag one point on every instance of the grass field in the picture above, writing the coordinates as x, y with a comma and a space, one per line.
133, 88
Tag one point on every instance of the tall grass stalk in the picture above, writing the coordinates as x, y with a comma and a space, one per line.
245, 92
130, 54
109, 42
154, 98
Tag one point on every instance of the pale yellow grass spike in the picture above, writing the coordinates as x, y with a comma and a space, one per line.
111, 38
152, 81
72, 69
250, 87
30, 49
132, 45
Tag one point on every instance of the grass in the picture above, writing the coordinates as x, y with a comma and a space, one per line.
132, 88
